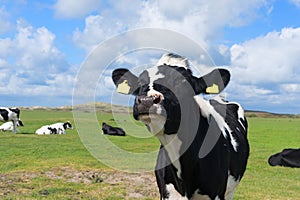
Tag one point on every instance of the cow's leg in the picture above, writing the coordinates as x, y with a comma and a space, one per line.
168, 183
15, 124
172, 193
231, 185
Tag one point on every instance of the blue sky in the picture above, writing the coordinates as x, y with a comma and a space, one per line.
44, 44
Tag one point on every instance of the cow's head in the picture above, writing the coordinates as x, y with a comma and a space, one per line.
161, 91
67, 125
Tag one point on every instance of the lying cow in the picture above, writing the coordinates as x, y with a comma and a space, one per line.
109, 130
204, 147
8, 126
57, 128
11, 114
287, 158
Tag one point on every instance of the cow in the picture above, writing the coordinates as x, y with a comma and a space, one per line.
11, 114
57, 128
8, 126
204, 147
287, 158
109, 130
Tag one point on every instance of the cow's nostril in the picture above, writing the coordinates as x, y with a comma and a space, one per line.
157, 99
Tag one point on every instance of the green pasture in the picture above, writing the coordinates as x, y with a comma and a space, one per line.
61, 167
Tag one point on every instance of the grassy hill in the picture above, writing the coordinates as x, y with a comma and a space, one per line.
107, 108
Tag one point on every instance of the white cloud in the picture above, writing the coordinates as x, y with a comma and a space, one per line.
97, 29
75, 9
290, 88
32, 65
265, 70
203, 21
295, 2
270, 58
5, 24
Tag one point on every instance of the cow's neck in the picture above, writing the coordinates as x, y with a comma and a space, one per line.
178, 143
172, 145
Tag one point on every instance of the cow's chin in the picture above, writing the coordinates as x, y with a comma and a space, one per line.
154, 122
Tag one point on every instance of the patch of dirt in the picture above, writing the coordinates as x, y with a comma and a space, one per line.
137, 185
8, 183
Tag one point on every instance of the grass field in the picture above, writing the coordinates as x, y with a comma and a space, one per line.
60, 167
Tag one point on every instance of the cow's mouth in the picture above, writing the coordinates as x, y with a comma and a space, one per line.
155, 122
145, 118
148, 117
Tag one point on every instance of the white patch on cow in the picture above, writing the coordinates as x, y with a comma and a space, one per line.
173, 194
154, 75
231, 185
155, 123
207, 110
241, 115
168, 59
43, 130
8, 126
172, 144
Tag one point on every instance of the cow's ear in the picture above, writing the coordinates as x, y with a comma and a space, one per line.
212, 83
125, 81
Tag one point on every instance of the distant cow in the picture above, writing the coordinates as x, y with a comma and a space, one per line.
11, 114
8, 126
204, 147
57, 128
109, 130
286, 158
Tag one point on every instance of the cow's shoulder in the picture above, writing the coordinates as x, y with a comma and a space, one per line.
229, 117
232, 112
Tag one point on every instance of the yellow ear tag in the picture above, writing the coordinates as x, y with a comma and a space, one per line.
214, 89
123, 88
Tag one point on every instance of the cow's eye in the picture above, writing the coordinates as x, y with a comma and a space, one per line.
142, 82
143, 88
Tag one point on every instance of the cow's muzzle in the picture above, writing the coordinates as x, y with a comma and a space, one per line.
146, 105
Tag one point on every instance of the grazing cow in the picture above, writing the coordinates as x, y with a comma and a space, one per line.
11, 114
109, 130
57, 128
8, 126
204, 147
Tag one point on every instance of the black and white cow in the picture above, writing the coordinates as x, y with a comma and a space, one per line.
109, 130
204, 147
8, 126
57, 128
11, 114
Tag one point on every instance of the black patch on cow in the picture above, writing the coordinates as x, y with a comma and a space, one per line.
20, 123
53, 130
67, 125
4, 114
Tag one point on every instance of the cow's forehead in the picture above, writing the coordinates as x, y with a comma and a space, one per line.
167, 60
164, 69
173, 60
